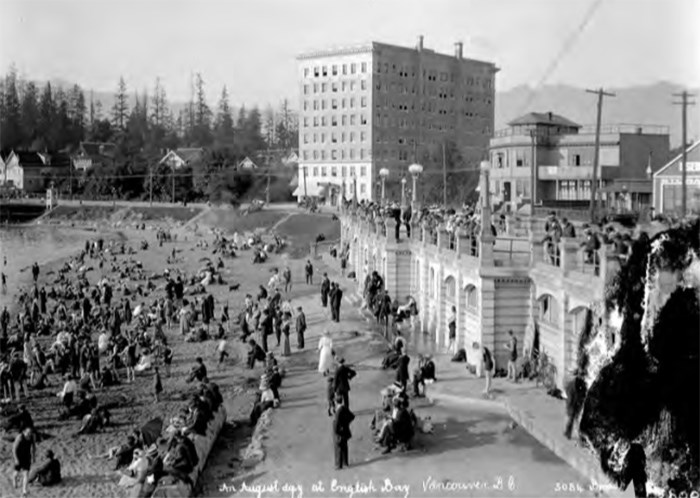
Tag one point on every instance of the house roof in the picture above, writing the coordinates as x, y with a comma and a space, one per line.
96, 149
190, 155
543, 118
276, 157
247, 162
29, 159
673, 161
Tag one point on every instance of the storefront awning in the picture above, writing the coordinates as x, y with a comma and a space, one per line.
310, 190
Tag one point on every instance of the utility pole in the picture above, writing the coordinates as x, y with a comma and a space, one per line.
444, 177
150, 184
172, 169
684, 152
596, 154
267, 189
305, 192
533, 173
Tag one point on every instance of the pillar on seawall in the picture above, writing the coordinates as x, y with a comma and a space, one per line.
487, 319
564, 357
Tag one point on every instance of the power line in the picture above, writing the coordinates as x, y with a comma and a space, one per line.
565, 49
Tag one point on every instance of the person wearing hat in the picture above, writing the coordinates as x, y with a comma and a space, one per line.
341, 381
341, 433
301, 327
49, 472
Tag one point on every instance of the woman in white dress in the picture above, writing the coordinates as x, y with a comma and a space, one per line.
325, 357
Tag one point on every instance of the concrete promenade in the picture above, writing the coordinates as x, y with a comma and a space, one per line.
541, 415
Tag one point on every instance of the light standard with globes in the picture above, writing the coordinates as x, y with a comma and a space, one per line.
383, 174
415, 170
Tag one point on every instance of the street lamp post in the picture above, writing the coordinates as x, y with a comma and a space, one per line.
403, 193
383, 174
415, 170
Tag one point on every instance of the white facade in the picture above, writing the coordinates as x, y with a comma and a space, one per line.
335, 122
12, 174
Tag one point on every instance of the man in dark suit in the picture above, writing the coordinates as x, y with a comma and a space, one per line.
301, 327
325, 289
309, 272
341, 381
402, 370
336, 299
341, 433
331, 299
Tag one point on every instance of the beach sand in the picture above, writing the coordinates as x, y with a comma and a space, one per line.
84, 474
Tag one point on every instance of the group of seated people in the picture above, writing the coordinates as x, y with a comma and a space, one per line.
171, 458
268, 394
394, 425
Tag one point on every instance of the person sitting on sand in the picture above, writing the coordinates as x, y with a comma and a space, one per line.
255, 353
181, 458
198, 371
67, 395
48, 473
135, 473
123, 454
97, 419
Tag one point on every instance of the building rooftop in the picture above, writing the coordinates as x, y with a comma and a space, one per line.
543, 118
369, 47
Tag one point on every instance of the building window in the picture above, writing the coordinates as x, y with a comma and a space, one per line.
315, 120
315, 87
306, 121
353, 68
345, 70
343, 171
519, 161
334, 169
334, 86
363, 102
333, 138
334, 104
352, 102
363, 119
323, 120
306, 89
352, 136
363, 85
472, 299
335, 70
306, 138
364, 67
315, 105
547, 312
352, 119
352, 153
363, 187
577, 159
363, 136
324, 71
323, 171
306, 72
362, 153
306, 155
323, 138
343, 120
334, 121
315, 171
363, 170
315, 154
323, 156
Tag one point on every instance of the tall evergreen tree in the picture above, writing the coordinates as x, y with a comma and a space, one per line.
269, 127
120, 110
202, 115
30, 113
224, 120
159, 107
78, 114
47, 117
11, 116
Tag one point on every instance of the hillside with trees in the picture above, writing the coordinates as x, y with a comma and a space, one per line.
143, 127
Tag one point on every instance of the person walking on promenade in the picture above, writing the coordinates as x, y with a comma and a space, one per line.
301, 327
35, 271
325, 357
309, 272
325, 290
512, 356
341, 381
286, 330
341, 433
488, 367
452, 331
336, 299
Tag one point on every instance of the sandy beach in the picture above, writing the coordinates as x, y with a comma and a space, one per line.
84, 474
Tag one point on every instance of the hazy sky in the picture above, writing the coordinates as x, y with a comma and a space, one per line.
250, 45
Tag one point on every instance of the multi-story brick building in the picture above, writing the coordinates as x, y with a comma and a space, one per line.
377, 106
562, 153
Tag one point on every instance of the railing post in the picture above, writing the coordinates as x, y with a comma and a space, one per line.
458, 241
568, 255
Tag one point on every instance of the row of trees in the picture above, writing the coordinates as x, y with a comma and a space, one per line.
51, 118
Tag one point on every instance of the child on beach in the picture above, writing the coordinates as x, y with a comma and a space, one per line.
223, 354
167, 359
158, 385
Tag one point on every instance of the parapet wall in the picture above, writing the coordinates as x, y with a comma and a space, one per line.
495, 284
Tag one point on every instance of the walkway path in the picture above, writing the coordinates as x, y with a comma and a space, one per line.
479, 447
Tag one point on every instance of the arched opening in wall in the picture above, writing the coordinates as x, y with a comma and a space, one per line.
577, 320
468, 332
549, 333
449, 302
